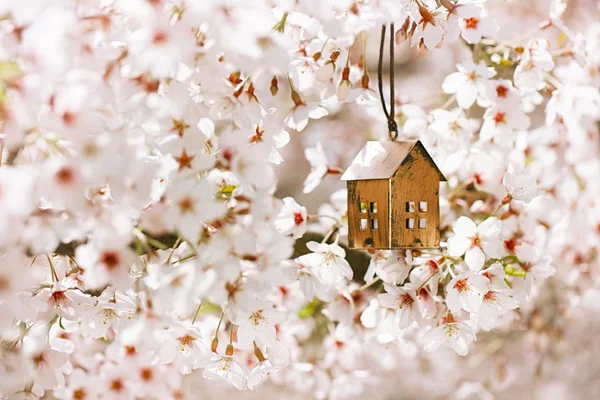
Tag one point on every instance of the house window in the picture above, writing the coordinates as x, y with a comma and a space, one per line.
362, 206
374, 224
423, 206
363, 225
410, 223
410, 206
373, 206
422, 223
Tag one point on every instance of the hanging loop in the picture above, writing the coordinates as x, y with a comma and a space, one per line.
392, 126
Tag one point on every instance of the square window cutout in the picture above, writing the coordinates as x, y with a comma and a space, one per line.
373, 206
363, 224
410, 206
374, 224
362, 206
422, 206
422, 223
410, 223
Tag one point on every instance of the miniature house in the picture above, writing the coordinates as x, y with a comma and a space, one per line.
393, 197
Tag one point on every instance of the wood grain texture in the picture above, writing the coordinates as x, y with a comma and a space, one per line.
368, 191
416, 180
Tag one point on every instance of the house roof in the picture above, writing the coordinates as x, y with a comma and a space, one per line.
381, 160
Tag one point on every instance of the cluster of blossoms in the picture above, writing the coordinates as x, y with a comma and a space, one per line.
142, 244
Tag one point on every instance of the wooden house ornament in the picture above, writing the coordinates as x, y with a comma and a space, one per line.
393, 197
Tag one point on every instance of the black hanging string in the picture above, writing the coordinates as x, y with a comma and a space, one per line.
392, 126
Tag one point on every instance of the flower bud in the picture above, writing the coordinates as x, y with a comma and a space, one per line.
274, 88
334, 56
346, 73
364, 81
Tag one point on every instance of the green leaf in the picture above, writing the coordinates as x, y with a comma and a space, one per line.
308, 310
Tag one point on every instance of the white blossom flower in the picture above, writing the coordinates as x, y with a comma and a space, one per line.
391, 266
469, 83
475, 242
521, 185
291, 219
494, 304
184, 348
319, 167
465, 291
328, 260
228, 369
259, 327
429, 26
403, 301
536, 61
456, 335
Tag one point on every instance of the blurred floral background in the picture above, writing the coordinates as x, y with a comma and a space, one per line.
149, 182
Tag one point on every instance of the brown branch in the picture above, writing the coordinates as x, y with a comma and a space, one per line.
168, 240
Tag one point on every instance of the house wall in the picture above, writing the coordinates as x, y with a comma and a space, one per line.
416, 180
368, 191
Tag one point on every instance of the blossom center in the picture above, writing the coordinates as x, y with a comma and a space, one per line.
108, 314
4, 284
298, 218
184, 160
462, 285
130, 350
39, 359
65, 176
59, 298
110, 259
159, 38
475, 241
257, 318
489, 297
499, 118
186, 205
69, 118
185, 342
471, 23
116, 385
146, 374
501, 91
79, 394
179, 126
405, 301
433, 266
451, 330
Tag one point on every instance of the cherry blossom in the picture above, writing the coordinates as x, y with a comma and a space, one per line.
155, 240
456, 335
469, 83
537, 60
475, 242
494, 303
390, 266
228, 369
329, 263
403, 301
466, 292
292, 218
259, 327
521, 185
